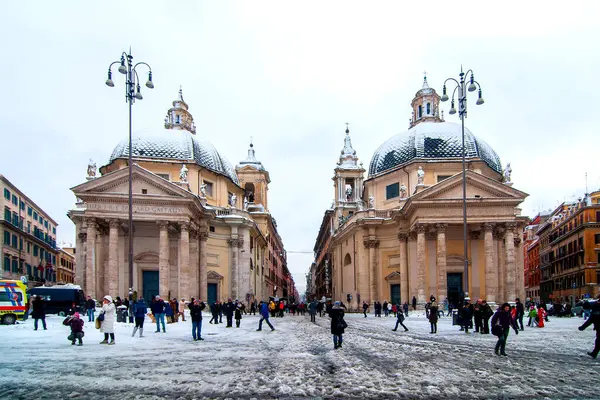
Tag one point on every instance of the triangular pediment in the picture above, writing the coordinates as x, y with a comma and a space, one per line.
478, 187
117, 183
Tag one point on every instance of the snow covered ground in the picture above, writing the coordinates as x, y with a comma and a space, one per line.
297, 361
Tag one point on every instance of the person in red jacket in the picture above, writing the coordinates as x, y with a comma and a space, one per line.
76, 324
541, 316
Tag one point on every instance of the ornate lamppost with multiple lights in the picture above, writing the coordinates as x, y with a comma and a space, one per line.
462, 89
132, 93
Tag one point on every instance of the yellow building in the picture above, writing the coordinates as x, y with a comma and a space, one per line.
399, 233
28, 238
201, 227
65, 265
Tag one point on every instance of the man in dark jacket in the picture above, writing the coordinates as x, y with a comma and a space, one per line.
365, 308
90, 306
593, 319
214, 310
478, 316
520, 311
264, 315
337, 324
228, 309
466, 316
139, 311
196, 315
312, 310
39, 312
487, 314
158, 309
504, 320
414, 303
400, 321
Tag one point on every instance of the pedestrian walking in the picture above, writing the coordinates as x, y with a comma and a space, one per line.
253, 308
214, 310
90, 306
320, 308
76, 323
502, 321
414, 303
594, 312
39, 311
532, 316
520, 312
182, 307
466, 316
238, 315
312, 310
338, 324
108, 322
400, 321
139, 312
487, 314
385, 308
228, 309
264, 316
405, 307
365, 308
196, 308
541, 314
158, 310
433, 316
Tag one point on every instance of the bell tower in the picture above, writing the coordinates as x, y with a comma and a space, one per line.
348, 182
425, 105
178, 117
254, 179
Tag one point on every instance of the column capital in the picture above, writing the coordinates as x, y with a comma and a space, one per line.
441, 228
511, 226
499, 232
184, 226
91, 223
474, 235
488, 226
235, 242
420, 227
371, 243
162, 224
82, 236
203, 236
114, 223
402, 236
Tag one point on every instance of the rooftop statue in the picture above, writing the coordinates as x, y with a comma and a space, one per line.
183, 174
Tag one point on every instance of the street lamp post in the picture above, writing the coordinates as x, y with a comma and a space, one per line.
132, 93
462, 88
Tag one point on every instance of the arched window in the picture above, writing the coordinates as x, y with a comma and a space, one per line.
347, 259
420, 111
428, 108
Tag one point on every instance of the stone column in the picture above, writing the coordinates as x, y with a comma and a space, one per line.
491, 282
511, 273
519, 267
442, 274
421, 263
163, 259
203, 238
80, 275
403, 237
113, 260
90, 258
184, 261
372, 244
194, 274
233, 272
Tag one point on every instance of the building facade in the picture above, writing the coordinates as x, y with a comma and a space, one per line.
28, 238
531, 247
570, 251
65, 265
201, 228
399, 233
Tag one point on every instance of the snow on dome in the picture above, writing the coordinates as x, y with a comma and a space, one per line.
431, 140
176, 145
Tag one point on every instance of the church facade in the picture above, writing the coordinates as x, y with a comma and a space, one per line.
201, 228
399, 232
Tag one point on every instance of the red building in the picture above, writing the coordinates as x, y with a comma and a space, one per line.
531, 249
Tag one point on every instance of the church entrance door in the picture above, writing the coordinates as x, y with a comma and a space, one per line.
212, 293
150, 285
395, 294
455, 292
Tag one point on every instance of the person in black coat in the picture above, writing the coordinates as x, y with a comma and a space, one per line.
520, 312
478, 316
196, 315
487, 314
466, 316
39, 312
414, 303
365, 308
400, 321
337, 324
502, 321
228, 309
238, 315
593, 319
433, 317
214, 310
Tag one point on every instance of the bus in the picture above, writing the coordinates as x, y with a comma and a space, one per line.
61, 299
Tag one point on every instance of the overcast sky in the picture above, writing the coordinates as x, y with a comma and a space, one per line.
290, 76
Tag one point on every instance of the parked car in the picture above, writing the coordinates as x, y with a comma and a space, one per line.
61, 299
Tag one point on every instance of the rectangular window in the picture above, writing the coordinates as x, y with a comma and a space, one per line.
46, 223
209, 188
443, 177
29, 211
28, 267
28, 227
20, 244
164, 176
28, 247
7, 238
597, 216
54, 231
35, 250
35, 216
597, 237
6, 263
15, 200
6, 194
15, 266
7, 214
7, 297
22, 205
15, 219
392, 191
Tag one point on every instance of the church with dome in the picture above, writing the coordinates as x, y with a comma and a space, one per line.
201, 227
398, 234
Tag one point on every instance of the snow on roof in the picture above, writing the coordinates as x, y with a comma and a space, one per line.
65, 286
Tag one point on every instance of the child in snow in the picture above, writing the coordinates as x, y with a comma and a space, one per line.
532, 316
76, 324
238, 315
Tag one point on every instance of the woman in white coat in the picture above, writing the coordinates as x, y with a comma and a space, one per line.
108, 324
